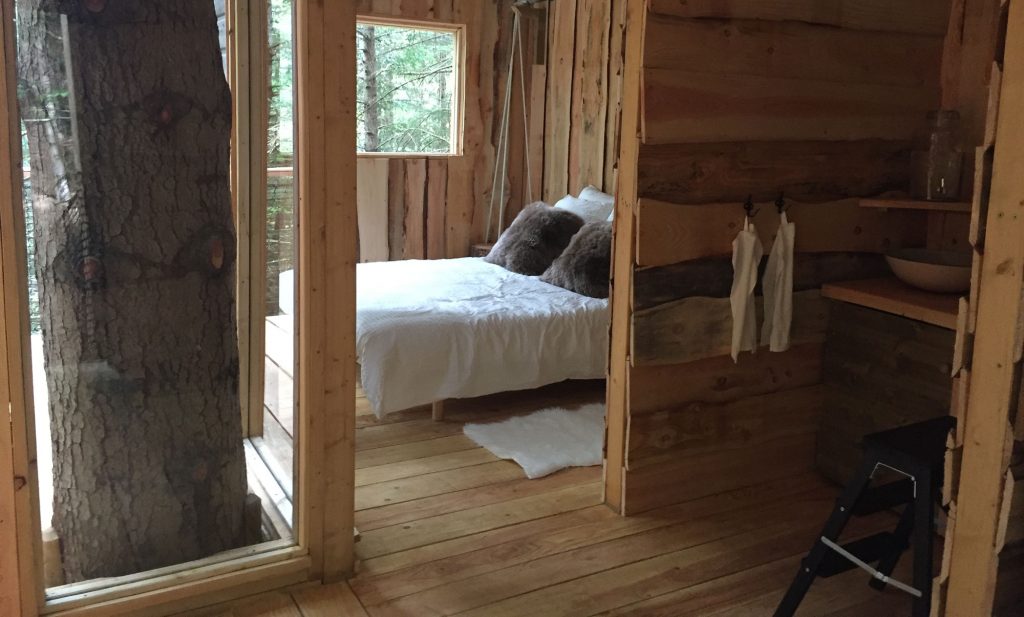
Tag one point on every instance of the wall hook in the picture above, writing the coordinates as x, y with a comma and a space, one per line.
780, 203
749, 207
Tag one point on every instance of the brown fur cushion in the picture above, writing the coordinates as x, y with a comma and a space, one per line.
585, 266
538, 235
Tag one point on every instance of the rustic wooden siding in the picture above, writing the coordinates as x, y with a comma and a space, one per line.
880, 371
816, 99
583, 106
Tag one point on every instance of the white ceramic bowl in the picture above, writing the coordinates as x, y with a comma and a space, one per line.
931, 270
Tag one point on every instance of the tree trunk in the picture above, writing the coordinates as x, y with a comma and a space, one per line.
134, 249
371, 116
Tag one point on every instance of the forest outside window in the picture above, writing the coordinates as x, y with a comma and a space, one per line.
408, 88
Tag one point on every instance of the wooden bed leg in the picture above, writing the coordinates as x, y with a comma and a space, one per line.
437, 411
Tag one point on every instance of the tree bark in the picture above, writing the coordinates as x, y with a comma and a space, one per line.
135, 252
371, 116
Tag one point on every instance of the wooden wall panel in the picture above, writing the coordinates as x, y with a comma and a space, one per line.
701, 427
815, 99
684, 478
720, 380
695, 328
584, 82
882, 371
588, 120
915, 16
415, 209
688, 106
561, 61
372, 201
808, 171
671, 233
794, 50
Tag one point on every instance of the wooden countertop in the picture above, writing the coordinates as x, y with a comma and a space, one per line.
893, 296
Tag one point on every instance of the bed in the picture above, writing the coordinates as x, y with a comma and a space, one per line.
427, 331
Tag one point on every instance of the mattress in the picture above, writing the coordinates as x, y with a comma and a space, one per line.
459, 328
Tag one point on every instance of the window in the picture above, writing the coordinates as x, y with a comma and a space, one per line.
408, 88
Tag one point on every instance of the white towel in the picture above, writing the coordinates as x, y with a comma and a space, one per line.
778, 289
746, 257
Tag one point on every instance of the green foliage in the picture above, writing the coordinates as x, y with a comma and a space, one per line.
280, 136
413, 72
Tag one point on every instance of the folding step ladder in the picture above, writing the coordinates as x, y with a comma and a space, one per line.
915, 453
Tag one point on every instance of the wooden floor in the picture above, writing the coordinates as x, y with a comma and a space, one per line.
447, 529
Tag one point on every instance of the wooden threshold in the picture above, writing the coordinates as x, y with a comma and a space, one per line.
891, 296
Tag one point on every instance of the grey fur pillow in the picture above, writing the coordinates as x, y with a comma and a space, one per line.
538, 235
585, 266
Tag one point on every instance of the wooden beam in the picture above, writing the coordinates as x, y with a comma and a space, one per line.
913, 16
339, 379
672, 233
701, 427
623, 250
327, 254
688, 106
720, 380
808, 171
997, 352
791, 49
561, 60
695, 328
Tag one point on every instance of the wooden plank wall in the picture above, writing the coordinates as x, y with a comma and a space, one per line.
817, 99
583, 105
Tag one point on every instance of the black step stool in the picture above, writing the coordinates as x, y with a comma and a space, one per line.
916, 452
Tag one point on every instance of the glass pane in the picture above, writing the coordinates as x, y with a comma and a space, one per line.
276, 445
130, 237
405, 89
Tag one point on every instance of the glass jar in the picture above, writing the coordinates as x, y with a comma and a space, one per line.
937, 159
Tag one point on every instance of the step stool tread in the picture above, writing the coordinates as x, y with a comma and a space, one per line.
868, 550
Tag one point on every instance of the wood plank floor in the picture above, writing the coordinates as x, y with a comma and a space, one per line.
449, 530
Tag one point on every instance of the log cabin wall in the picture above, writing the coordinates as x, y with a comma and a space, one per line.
437, 207
817, 99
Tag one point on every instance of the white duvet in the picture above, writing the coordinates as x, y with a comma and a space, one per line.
459, 328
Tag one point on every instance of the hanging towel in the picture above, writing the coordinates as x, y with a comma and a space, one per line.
746, 257
778, 289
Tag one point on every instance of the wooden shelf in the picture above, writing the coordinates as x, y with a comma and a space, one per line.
912, 204
893, 296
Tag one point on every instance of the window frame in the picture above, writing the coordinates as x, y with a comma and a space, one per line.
458, 97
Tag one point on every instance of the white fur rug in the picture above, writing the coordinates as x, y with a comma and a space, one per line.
546, 441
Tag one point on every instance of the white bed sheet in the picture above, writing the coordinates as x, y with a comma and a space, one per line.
459, 328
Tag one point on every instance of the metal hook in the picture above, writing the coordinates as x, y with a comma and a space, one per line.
780, 203
749, 207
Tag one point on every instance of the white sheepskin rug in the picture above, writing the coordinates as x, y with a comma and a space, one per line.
546, 441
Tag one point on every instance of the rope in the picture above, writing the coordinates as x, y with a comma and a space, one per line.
500, 175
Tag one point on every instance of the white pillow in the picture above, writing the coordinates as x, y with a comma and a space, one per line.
591, 193
611, 215
589, 211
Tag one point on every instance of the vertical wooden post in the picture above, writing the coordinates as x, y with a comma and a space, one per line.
988, 435
327, 257
18, 441
623, 259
